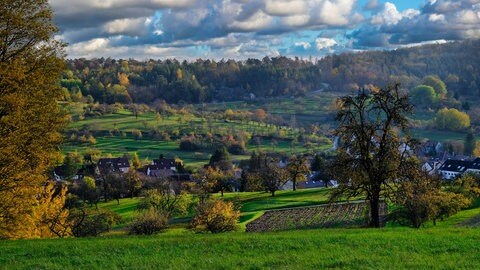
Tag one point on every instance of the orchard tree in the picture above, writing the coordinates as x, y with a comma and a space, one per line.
297, 169
369, 159
31, 62
273, 176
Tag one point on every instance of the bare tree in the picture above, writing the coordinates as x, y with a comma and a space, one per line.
372, 153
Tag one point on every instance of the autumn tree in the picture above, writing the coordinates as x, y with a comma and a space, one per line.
30, 118
369, 159
133, 182
216, 216
166, 199
452, 119
297, 169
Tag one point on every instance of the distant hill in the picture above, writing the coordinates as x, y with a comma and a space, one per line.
457, 63
125, 81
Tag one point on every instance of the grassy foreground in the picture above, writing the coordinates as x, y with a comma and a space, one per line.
390, 248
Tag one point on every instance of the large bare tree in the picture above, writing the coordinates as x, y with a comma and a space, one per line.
372, 151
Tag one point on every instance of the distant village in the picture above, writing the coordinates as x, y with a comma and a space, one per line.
436, 161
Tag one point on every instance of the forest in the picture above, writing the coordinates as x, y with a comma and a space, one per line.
107, 80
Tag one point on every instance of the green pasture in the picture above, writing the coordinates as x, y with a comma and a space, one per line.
147, 147
389, 248
253, 204
452, 244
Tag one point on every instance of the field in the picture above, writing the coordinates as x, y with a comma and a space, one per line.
113, 134
445, 246
342, 215
253, 205
390, 248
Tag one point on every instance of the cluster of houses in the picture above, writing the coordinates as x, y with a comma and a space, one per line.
454, 168
160, 168
448, 167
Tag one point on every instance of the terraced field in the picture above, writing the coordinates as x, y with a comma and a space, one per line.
326, 216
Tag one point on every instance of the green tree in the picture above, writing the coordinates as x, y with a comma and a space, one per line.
273, 176
437, 84
30, 118
469, 144
423, 95
71, 165
369, 160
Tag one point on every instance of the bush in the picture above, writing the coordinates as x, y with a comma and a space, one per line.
137, 134
92, 223
216, 216
237, 148
149, 222
189, 145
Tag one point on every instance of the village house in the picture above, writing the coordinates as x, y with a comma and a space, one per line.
112, 165
453, 168
475, 167
162, 167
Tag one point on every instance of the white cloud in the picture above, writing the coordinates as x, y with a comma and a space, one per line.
436, 17
324, 43
390, 15
304, 45
132, 27
286, 7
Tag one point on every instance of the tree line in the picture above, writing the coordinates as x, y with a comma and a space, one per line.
109, 80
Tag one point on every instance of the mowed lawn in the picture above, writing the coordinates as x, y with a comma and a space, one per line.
390, 248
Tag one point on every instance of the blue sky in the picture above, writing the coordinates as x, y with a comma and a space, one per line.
241, 29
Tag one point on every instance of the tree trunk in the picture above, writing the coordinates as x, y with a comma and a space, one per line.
273, 193
374, 211
294, 185
221, 191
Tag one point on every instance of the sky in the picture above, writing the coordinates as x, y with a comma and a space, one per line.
242, 29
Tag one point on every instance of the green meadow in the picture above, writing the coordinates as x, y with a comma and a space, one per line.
113, 134
452, 244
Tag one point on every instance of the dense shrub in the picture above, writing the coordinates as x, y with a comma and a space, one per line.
187, 144
216, 216
237, 148
149, 222
92, 223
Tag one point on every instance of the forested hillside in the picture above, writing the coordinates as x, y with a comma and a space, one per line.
125, 81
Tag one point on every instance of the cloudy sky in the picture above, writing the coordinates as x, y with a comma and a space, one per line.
240, 29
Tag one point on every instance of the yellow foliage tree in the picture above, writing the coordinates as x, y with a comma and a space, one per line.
452, 119
31, 62
476, 152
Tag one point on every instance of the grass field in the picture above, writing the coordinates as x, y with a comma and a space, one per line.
445, 246
314, 109
110, 142
253, 204
390, 248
